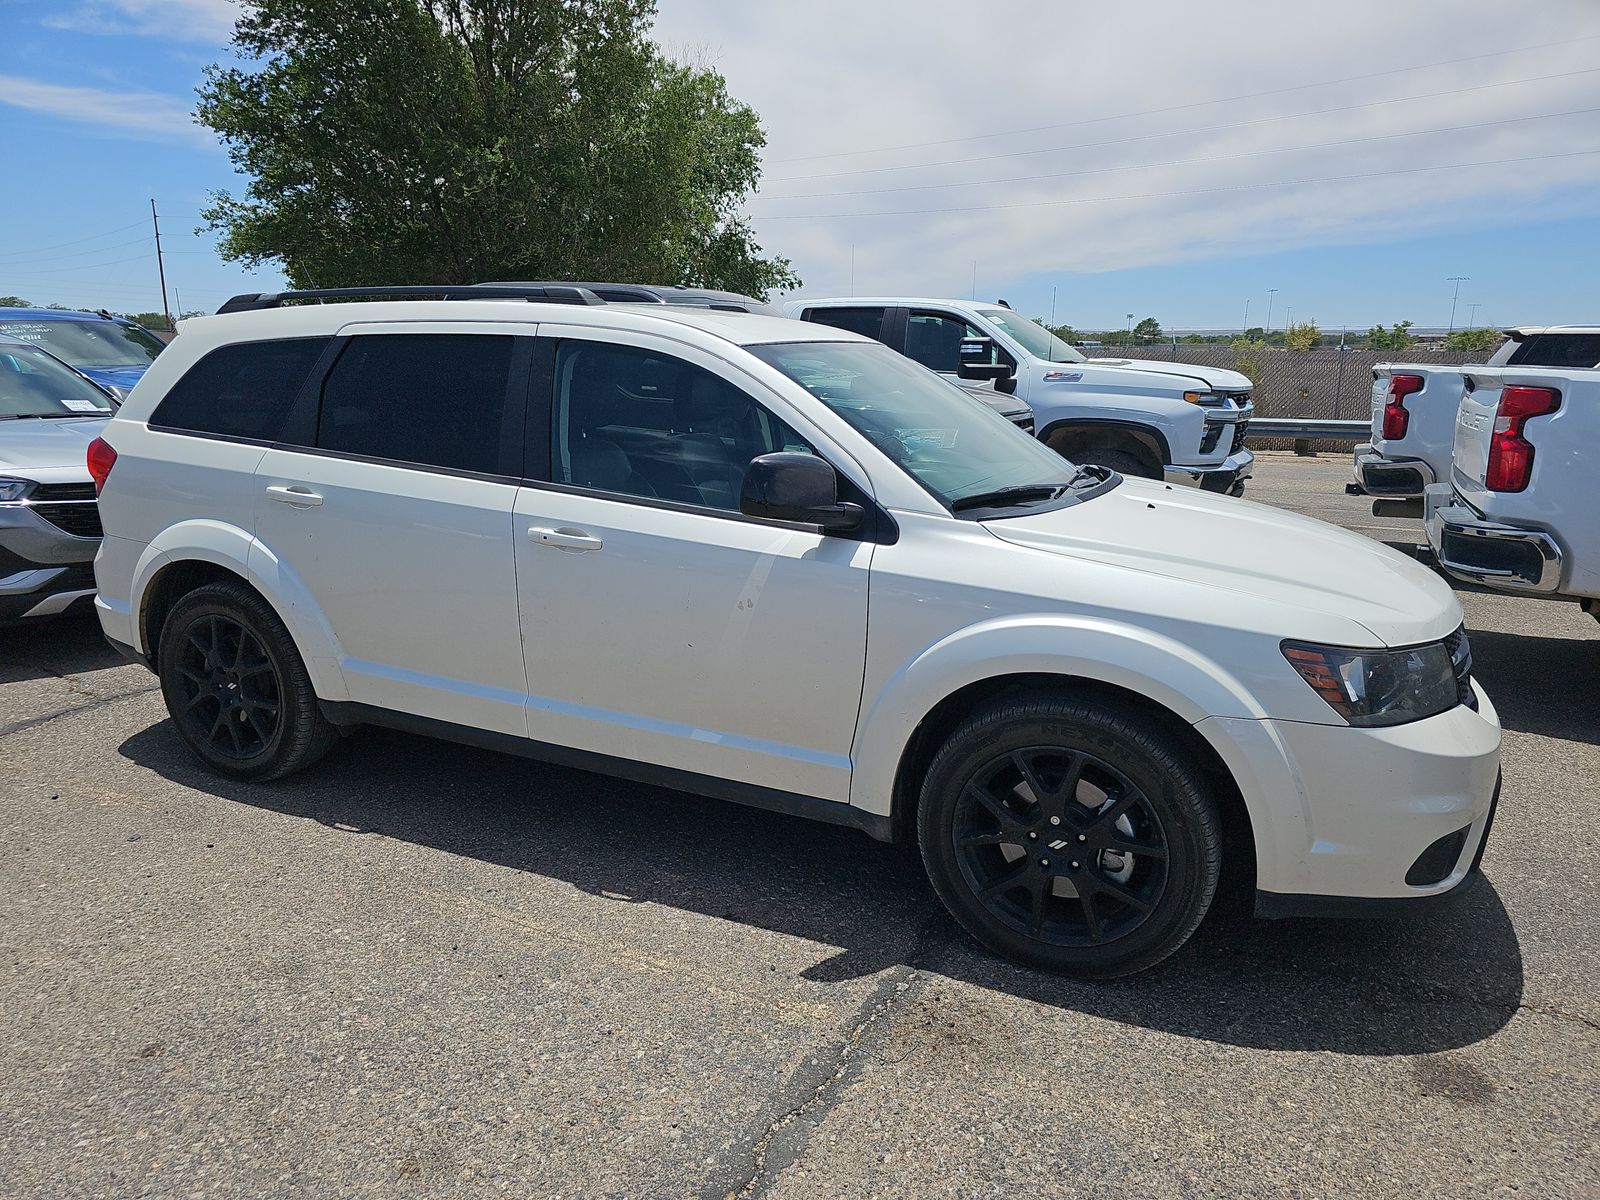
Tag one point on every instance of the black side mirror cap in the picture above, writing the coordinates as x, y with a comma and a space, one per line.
979, 358
790, 486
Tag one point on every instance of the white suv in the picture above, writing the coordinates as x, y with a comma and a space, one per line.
782, 564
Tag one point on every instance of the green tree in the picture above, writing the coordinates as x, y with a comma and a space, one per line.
1397, 338
449, 141
1066, 333
1247, 358
1474, 340
1302, 335
1147, 331
1255, 334
14, 302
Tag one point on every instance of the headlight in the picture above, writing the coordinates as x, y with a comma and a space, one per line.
1378, 687
1206, 398
14, 489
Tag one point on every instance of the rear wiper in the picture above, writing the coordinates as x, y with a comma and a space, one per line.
1016, 494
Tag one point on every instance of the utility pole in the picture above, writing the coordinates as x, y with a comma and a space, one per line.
1287, 313
1052, 308
1472, 318
155, 223
1246, 324
1271, 295
1458, 280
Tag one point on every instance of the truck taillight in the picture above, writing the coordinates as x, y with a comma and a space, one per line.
1396, 420
101, 459
1511, 454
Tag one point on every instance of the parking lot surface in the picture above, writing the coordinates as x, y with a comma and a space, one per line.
423, 970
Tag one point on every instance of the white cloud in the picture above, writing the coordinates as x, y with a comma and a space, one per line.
176, 20
149, 115
885, 79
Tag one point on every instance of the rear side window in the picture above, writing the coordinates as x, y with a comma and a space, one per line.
1557, 350
244, 390
434, 399
868, 322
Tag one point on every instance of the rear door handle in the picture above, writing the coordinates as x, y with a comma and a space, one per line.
564, 539
298, 496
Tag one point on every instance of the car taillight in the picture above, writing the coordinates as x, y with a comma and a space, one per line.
101, 459
1511, 454
1396, 420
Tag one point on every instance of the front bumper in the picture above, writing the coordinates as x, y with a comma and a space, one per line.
1391, 478
43, 568
1227, 476
1470, 547
1396, 814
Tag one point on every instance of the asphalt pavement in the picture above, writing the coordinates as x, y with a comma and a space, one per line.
423, 970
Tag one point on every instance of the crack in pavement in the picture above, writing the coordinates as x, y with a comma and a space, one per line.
35, 722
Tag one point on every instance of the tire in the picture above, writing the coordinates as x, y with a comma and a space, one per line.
1120, 461
1000, 814
237, 688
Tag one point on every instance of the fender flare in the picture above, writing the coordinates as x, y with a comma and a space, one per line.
1160, 669
1163, 447
240, 552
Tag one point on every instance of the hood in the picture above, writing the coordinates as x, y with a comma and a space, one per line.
119, 380
1004, 403
1250, 550
51, 451
1219, 378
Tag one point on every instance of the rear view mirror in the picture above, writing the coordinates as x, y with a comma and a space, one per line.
790, 486
980, 359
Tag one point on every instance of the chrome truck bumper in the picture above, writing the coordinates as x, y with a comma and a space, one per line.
1391, 478
1470, 547
1226, 476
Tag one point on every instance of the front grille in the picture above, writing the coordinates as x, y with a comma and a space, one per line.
81, 518
1460, 651
1024, 423
1238, 436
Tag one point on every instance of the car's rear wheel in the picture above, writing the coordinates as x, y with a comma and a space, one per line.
1072, 836
237, 688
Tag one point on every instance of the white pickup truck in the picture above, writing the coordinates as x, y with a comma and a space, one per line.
1145, 418
1414, 413
1518, 511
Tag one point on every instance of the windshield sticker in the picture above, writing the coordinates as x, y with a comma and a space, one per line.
76, 405
945, 438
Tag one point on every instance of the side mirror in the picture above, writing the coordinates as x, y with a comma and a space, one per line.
790, 486
979, 358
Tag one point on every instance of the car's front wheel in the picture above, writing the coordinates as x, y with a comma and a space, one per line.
236, 686
1070, 835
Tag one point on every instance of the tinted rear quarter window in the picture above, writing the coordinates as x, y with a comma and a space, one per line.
1557, 350
244, 390
868, 322
434, 399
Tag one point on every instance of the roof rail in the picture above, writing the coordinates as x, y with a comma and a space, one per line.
548, 294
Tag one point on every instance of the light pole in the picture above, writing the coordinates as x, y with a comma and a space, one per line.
1130, 329
1243, 328
1271, 295
1472, 316
1458, 280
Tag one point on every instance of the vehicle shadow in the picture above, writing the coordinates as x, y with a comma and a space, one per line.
1435, 981
1540, 685
70, 644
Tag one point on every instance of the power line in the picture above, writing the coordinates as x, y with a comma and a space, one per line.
1240, 187
1145, 137
1148, 112
1181, 162
79, 241
50, 258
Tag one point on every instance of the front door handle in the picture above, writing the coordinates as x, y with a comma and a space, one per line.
300, 497
565, 539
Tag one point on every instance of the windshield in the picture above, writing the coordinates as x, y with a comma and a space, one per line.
32, 384
1035, 338
949, 441
97, 343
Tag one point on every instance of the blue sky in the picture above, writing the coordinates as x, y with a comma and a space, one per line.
1179, 170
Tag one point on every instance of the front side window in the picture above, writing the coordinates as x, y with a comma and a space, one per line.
244, 390
934, 340
645, 424
955, 446
32, 384
1032, 336
434, 399
98, 343
866, 320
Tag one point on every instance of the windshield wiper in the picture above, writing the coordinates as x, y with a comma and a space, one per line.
1016, 494
1090, 473
57, 416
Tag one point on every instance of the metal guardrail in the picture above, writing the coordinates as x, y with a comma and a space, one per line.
1304, 427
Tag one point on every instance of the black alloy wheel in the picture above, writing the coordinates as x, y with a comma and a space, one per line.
1061, 846
232, 696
